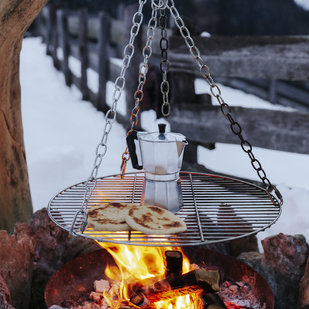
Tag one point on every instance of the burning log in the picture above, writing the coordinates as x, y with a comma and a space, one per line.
173, 263
196, 281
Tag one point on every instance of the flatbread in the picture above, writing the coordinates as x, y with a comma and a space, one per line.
109, 217
154, 220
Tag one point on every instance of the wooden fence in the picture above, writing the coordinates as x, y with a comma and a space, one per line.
95, 40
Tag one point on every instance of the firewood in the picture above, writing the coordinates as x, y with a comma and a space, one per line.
213, 301
173, 263
196, 281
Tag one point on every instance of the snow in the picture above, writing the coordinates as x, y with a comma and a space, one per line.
303, 3
61, 133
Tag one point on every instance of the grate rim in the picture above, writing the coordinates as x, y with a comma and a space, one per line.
215, 208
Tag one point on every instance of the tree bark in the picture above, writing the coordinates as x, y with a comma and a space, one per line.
15, 199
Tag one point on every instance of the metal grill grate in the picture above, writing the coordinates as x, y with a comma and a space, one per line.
215, 209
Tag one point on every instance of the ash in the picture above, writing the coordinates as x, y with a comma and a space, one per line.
240, 295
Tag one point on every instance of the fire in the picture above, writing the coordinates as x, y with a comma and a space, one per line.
137, 263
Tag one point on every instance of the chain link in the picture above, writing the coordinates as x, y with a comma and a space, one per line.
139, 94
110, 116
147, 51
164, 64
216, 92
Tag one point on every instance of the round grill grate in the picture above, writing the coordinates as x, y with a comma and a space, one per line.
215, 209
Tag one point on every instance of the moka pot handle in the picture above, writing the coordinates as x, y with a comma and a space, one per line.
132, 136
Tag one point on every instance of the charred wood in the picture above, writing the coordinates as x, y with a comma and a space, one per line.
213, 301
173, 263
196, 281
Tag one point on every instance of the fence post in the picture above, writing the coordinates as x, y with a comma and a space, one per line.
52, 39
83, 51
183, 92
120, 16
63, 39
103, 41
272, 91
133, 69
49, 26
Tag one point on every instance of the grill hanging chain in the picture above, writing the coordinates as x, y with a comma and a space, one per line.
164, 64
216, 92
110, 117
139, 94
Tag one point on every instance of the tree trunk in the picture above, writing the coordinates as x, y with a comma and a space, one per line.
15, 199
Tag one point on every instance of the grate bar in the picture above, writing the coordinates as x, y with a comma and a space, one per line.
196, 210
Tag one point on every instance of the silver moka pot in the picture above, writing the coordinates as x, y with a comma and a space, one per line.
161, 155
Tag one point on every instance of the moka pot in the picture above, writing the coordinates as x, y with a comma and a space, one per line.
161, 155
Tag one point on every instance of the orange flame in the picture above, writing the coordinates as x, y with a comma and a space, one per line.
136, 263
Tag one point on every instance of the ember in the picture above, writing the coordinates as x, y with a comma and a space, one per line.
239, 296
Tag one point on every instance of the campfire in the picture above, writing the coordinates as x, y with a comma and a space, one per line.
145, 278
154, 278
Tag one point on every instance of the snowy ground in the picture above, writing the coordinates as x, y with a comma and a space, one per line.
61, 134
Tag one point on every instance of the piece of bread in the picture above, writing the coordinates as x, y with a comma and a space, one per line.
153, 220
109, 217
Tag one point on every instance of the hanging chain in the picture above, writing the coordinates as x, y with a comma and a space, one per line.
139, 94
216, 92
164, 64
110, 116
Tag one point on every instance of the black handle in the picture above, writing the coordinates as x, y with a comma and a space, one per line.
132, 150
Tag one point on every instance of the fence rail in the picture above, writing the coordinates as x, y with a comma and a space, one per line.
274, 68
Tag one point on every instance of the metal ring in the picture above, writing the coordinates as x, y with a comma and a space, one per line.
121, 79
244, 144
189, 40
138, 92
143, 69
166, 43
224, 105
258, 163
134, 30
145, 55
263, 176
168, 107
218, 89
153, 32
165, 83
268, 185
221, 101
167, 66
132, 50
196, 56
154, 21
183, 34
230, 118
251, 155
108, 113
135, 22
104, 149
238, 126
126, 156
177, 19
125, 63
204, 66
